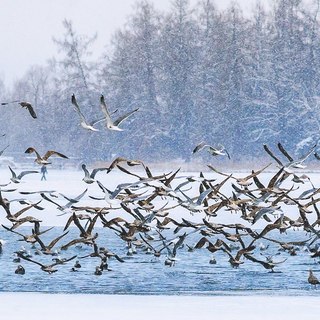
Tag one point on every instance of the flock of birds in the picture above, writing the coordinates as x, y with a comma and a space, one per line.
159, 213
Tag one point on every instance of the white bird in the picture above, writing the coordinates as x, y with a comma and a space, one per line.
212, 150
83, 122
113, 125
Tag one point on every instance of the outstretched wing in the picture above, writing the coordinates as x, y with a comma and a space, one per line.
304, 157
105, 110
31, 149
124, 117
284, 152
199, 147
23, 173
52, 152
272, 155
20, 255
77, 108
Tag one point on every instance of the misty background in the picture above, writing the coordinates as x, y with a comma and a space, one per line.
197, 74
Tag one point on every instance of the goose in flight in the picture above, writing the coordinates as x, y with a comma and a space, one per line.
17, 179
47, 268
23, 104
221, 151
44, 160
83, 122
129, 162
269, 264
47, 249
113, 125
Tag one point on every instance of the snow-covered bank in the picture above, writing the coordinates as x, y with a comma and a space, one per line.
60, 306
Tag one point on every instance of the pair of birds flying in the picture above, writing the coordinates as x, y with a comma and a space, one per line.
110, 124
292, 163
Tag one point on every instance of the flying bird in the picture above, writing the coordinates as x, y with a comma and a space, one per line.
129, 162
292, 163
23, 104
269, 264
47, 268
44, 160
212, 150
89, 177
113, 125
17, 179
83, 122
71, 201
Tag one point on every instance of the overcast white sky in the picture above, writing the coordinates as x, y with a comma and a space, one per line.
27, 27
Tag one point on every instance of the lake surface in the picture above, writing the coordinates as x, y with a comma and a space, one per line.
143, 273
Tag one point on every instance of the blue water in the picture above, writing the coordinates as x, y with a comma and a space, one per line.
143, 273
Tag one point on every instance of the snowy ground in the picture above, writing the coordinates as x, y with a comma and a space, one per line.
47, 306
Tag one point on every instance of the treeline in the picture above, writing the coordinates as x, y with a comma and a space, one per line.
196, 73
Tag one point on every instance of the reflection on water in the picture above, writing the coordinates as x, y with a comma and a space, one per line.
143, 273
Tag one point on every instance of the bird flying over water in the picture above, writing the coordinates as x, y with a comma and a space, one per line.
113, 125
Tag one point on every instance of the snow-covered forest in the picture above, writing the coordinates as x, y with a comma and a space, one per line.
196, 73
